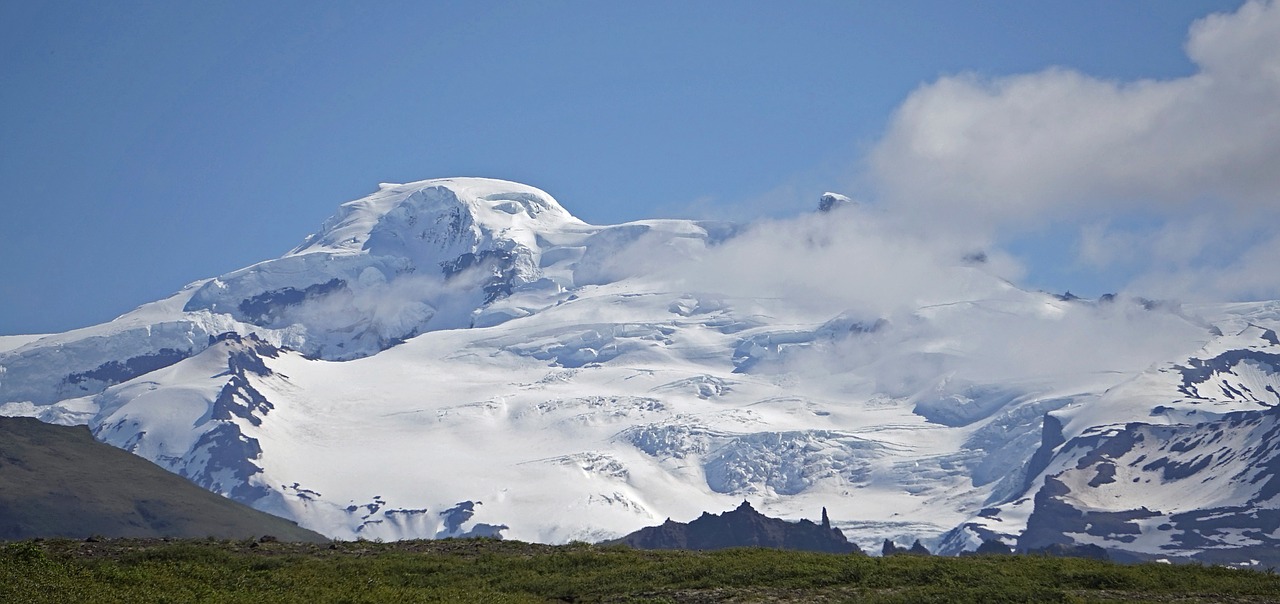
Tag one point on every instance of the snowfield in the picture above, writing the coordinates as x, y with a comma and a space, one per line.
464, 357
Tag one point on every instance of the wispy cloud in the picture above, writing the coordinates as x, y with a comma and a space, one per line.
850, 259
371, 311
951, 320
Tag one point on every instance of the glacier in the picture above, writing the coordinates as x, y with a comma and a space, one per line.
463, 356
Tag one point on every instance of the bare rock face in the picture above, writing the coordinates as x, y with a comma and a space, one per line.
743, 527
893, 549
832, 201
1229, 467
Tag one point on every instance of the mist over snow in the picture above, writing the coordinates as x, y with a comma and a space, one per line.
851, 258
467, 344
386, 310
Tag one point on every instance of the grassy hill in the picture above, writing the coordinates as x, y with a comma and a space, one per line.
505, 571
57, 481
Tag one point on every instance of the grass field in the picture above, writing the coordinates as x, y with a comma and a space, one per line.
122, 570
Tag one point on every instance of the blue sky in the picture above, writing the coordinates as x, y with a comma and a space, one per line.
151, 144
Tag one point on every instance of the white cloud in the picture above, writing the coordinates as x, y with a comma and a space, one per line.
974, 326
1058, 144
852, 258
1250, 275
1177, 244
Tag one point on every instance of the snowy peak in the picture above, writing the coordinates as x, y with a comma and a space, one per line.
408, 259
583, 381
433, 255
831, 201
431, 217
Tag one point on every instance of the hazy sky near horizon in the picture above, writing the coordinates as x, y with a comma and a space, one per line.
1106, 146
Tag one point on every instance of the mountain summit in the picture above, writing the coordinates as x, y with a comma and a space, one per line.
432, 221
463, 356
404, 260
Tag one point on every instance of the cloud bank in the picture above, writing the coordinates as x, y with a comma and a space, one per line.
1058, 142
1198, 156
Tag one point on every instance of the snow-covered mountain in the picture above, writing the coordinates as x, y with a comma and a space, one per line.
463, 356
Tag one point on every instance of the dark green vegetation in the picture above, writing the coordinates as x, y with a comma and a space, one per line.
57, 481
505, 571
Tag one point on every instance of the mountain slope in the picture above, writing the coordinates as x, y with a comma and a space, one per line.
56, 481
462, 356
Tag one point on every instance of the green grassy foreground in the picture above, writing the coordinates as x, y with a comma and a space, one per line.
501, 571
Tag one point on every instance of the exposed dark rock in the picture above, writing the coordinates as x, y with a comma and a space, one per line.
1001, 444
500, 264
1270, 337
1106, 475
230, 455
955, 541
240, 399
457, 515
993, 547
1197, 373
892, 549
116, 372
1241, 448
1148, 304
742, 527
267, 307
247, 354
1053, 518
1173, 470
833, 201
1204, 528
1051, 438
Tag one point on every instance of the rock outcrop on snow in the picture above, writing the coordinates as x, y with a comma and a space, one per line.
742, 527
